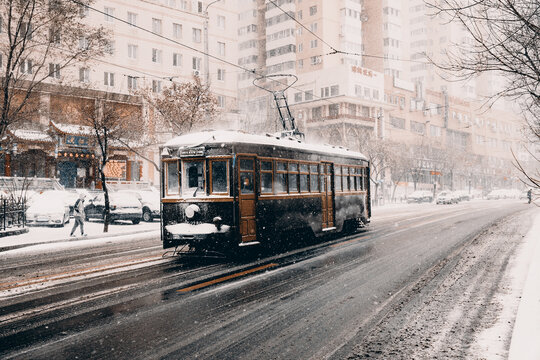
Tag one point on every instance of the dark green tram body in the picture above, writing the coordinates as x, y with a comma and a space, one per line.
249, 213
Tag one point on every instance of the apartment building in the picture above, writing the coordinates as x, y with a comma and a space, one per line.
153, 44
362, 68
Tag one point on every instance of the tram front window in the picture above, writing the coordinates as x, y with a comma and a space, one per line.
173, 186
194, 177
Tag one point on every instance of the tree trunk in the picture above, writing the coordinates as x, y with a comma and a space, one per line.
107, 211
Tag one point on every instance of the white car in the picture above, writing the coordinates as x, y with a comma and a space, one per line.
150, 202
447, 197
49, 208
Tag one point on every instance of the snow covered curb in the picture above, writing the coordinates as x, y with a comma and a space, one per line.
525, 344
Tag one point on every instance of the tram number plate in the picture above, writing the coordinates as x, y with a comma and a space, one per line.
198, 151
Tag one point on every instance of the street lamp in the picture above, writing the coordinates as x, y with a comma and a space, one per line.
206, 60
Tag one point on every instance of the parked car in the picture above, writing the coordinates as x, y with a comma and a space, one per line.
49, 208
420, 196
123, 206
496, 194
447, 197
463, 195
150, 203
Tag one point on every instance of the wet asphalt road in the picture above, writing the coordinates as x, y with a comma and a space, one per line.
312, 302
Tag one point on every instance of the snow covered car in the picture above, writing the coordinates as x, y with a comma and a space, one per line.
495, 195
420, 196
447, 197
463, 195
48, 209
150, 201
122, 206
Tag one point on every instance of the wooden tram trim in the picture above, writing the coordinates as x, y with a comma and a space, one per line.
166, 171
196, 200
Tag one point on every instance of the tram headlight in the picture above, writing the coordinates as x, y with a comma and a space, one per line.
191, 210
217, 222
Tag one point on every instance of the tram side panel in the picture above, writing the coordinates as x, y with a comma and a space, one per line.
175, 213
277, 216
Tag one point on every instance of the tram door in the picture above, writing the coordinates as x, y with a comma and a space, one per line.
327, 196
246, 198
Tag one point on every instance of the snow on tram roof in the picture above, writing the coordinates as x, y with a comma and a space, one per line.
230, 136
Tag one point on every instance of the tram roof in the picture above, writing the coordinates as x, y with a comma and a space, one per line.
230, 137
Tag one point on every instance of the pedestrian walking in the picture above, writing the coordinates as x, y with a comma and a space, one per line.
78, 213
529, 195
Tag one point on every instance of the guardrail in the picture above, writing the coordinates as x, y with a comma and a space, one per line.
12, 214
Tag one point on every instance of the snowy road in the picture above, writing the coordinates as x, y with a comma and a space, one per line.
386, 291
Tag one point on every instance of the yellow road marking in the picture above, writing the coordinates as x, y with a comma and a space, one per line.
225, 278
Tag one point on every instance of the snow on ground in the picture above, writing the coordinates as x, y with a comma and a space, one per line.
94, 229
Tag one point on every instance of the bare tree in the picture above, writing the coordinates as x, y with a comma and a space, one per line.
39, 40
506, 42
379, 153
110, 126
182, 107
178, 109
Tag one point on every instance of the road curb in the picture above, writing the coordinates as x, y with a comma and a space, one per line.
70, 239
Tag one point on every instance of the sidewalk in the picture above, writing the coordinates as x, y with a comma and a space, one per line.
44, 235
525, 343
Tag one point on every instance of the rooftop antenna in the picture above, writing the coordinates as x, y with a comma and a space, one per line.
285, 115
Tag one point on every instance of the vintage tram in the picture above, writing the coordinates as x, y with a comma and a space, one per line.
226, 189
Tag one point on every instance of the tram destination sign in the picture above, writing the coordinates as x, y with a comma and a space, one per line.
191, 152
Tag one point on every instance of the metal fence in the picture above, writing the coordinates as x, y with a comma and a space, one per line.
12, 214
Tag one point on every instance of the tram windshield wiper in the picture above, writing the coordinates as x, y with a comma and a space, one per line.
195, 193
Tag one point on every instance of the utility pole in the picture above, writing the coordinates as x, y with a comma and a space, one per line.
206, 59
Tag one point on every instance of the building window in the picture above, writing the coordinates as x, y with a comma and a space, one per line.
109, 13
156, 26
132, 82
196, 63
196, 35
109, 47
177, 30
221, 22
84, 75
221, 74
221, 48
313, 10
108, 79
298, 97
83, 43
132, 18
156, 56
313, 43
300, 47
221, 101
156, 86
301, 63
315, 60
26, 31
333, 110
26, 66
132, 51
309, 95
83, 11
334, 90
54, 71
313, 27
177, 59
54, 35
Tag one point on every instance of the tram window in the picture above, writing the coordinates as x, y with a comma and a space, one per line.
304, 172
350, 179
246, 182
246, 164
314, 178
219, 176
194, 175
266, 177
173, 185
281, 177
337, 177
293, 178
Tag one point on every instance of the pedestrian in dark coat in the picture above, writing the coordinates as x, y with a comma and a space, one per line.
78, 213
